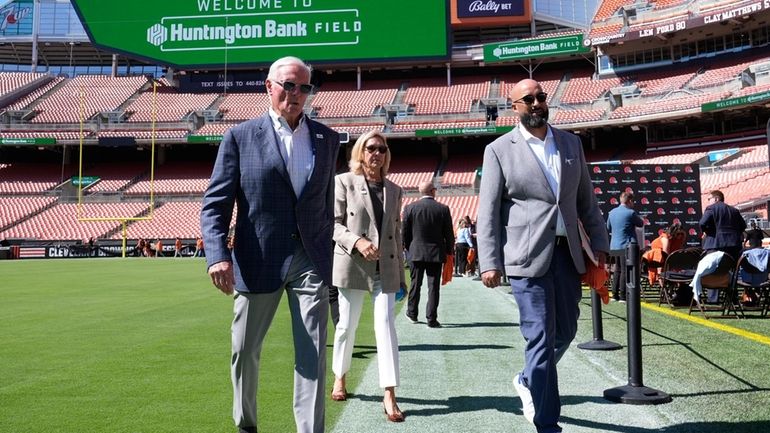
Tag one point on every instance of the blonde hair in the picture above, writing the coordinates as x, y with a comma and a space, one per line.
356, 162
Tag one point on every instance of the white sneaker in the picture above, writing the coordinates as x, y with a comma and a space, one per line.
527, 406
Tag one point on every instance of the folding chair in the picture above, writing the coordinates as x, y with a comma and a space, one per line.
649, 290
722, 281
678, 270
748, 277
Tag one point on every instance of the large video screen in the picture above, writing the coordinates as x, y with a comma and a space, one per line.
247, 33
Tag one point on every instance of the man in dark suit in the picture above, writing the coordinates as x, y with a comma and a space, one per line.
722, 226
279, 170
428, 239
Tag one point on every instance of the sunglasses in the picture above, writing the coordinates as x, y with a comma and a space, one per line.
290, 86
379, 149
530, 99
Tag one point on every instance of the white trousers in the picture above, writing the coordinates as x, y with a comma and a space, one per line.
351, 302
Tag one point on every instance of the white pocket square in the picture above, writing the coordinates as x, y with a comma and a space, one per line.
321, 136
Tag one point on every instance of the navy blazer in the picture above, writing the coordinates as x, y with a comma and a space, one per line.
271, 221
428, 234
723, 226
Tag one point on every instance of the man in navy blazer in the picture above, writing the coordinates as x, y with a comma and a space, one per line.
279, 171
722, 226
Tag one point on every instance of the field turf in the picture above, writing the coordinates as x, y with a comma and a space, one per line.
132, 345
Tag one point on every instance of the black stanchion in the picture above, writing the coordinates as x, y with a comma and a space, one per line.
635, 392
598, 343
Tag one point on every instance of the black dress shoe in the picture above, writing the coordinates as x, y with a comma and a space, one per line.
434, 324
247, 430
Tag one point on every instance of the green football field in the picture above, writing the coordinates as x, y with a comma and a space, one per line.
130, 345
142, 345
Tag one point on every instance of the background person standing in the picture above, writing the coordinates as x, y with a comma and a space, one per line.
622, 223
428, 239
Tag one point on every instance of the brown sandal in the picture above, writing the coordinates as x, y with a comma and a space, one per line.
397, 416
340, 395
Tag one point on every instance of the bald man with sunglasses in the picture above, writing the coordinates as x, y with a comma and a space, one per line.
279, 170
535, 189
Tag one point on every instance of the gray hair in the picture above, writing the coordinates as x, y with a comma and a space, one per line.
286, 61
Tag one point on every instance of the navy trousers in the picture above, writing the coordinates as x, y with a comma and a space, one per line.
548, 313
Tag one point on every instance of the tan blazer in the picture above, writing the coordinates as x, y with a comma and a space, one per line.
353, 219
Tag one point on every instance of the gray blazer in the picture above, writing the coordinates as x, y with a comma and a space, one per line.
353, 219
271, 221
516, 222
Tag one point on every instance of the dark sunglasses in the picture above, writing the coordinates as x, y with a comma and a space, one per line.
290, 86
530, 99
380, 149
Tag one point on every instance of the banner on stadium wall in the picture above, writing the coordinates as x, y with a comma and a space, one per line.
736, 102
487, 130
490, 12
110, 248
28, 141
238, 82
16, 17
204, 138
663, 193
558, 46
84, 181
247, 33
682, 24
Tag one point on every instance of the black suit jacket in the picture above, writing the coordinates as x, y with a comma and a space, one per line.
723, 225
427, 231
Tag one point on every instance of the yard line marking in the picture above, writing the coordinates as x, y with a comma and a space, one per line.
759, 338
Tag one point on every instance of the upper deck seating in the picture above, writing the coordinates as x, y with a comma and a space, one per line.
244, 106
167, 106
577, 116
608, 8
433, 96
356, 129
11, 81
179, 134
59, 135
412, 126
341, 100
725, 69
86, 95
26, 100
669, 104
585, 89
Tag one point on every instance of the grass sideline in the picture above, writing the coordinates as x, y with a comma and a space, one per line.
134, 345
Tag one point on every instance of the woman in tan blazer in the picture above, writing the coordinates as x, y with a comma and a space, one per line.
368, 258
